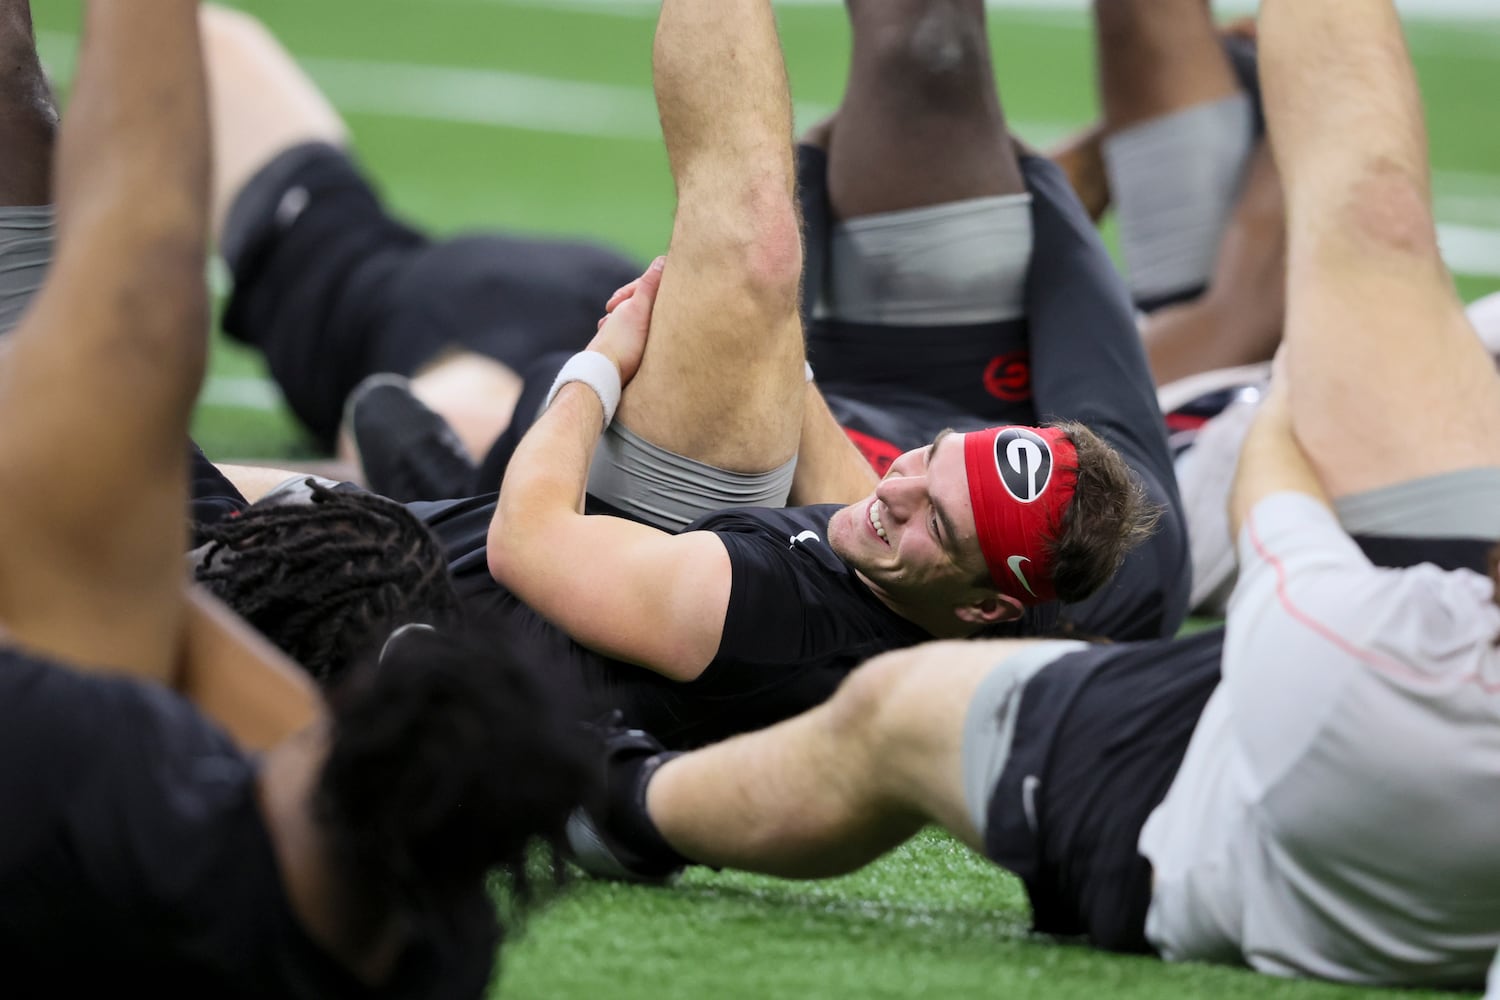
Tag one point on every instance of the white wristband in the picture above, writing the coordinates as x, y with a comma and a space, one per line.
595, 371
807, 372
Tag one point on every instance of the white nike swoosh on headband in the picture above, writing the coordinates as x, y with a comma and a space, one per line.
1014, 562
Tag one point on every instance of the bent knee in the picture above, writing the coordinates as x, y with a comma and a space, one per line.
773, 252
932, 49
1387, 209
747, 243
867, 708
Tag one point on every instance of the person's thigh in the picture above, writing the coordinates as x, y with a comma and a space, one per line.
946, 713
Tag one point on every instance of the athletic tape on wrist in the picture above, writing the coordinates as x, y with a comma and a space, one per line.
595, 371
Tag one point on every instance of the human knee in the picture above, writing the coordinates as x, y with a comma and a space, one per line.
1387, 210
757, 249
865, 712
934, 49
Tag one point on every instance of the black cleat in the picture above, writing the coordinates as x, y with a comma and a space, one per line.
407, 451
616, 839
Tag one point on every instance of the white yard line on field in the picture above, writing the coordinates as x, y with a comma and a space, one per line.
504, 99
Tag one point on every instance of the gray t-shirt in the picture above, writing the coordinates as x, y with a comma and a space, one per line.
1338, 811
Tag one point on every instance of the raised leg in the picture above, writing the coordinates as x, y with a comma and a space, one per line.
1388, 381
921, 122
28, 115
28, 132
1179, 133
722, 377
263, 103
1156, 57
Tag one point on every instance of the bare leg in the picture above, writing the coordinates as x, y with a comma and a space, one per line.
1157, 57
28, 116
1388, 381
263, 104
721, 381
921, 122
103, 371
1081, 157
835, 788
474, 393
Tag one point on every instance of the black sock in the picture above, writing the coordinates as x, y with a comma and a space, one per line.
631, 822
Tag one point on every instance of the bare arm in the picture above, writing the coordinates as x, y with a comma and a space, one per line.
240, 680
624, 589
103, 371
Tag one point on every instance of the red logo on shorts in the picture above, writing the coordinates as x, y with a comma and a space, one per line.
1008, 377
880, 454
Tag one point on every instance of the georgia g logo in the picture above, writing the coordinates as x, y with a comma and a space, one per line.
1024, 461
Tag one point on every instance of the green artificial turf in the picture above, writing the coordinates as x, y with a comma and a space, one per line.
931, 920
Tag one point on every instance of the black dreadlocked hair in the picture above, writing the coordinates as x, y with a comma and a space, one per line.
449, 760
326, 580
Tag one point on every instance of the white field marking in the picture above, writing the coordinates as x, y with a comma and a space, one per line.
240, 392
1470, 251
523, 101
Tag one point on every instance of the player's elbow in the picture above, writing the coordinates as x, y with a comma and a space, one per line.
504, 551
682, 665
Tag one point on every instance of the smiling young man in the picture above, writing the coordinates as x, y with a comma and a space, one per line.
753, 613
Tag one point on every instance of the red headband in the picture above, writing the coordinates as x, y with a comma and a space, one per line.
1021, 480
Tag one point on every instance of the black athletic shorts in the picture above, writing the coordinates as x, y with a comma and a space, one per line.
1099, 738
331, 288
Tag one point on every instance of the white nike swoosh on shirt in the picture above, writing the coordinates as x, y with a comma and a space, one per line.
811, 536
1014, 562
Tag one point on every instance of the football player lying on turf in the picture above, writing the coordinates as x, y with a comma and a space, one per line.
975, 530
1312, 792
175, 790
726, 435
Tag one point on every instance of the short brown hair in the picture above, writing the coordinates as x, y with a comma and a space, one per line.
1109, 515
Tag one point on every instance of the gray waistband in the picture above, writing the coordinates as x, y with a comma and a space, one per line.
25, 254
990, 723
670, 492
957, 263
1462, 504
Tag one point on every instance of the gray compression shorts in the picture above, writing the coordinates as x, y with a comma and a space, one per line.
1462, 504
668, 491
25, 254
990, 723
957, 263
1176, 179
